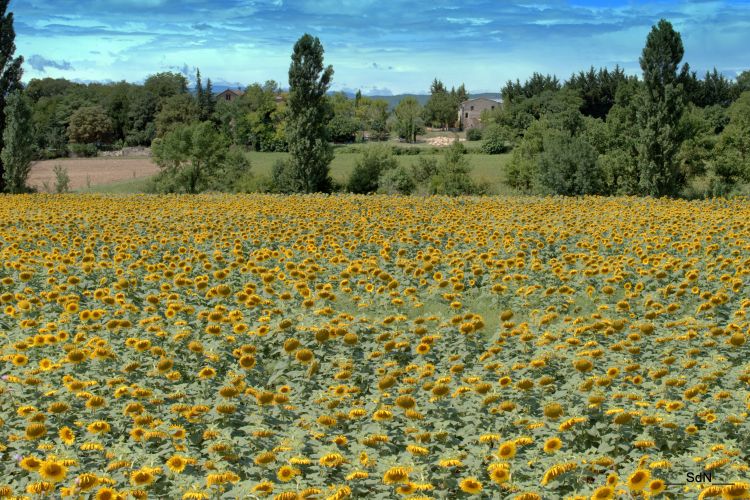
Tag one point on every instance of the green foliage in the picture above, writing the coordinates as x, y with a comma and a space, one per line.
441, 109
283, 178
568, 166
374, 162
407, 119
18, 143
452, 177
474, 134
62, 179
165, 85
191, 158
180, 109
90, 125
10, 71
534, 86
309, 113
397, 180
497, 139
661, 107
597, 89
83, 150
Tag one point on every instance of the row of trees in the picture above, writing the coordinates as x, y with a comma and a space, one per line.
602, 132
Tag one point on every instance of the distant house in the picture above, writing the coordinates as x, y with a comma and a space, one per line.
470, 111
229, 95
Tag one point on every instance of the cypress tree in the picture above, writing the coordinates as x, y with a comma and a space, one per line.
10, 69
309, 114
208, 96
199, 97
662, 105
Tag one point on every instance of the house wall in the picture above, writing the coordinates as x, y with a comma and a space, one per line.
470, 118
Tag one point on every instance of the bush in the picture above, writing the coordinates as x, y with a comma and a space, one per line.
568, 166
375, 161
474, 134
62, 180
250, 183
453, 177
424, 169
83, 150
497, 139
282, 178
405, 150
396, 181
342, 128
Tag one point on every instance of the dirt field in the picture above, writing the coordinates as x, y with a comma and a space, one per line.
98, 170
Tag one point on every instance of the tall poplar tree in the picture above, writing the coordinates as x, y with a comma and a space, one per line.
10, 69
309, 113
662, 105
18, 143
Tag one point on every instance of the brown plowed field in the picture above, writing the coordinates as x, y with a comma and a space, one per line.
99, 170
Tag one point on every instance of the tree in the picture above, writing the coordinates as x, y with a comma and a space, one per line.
10, 68
374, 162
660, 110
176, 110
309, 113
344, 125
199, 96
568, 166
408, 119
18, 143
452, 176
165, 85
191, 157
209, 103
441, 107
90, 125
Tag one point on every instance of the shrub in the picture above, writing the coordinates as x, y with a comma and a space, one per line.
497, 139
396, 181
83, 150
282, 178
62, 180
375, 160
474, 134
568, 166
453, 177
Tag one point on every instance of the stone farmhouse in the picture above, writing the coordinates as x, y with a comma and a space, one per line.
470, 111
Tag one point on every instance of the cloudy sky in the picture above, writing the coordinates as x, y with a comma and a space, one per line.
379, 46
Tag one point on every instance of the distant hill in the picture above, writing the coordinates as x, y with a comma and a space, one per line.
392, 100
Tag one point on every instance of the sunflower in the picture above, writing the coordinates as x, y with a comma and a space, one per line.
106, 493
287, 473
552, 445
656, 486
499, 475
470, 485
52, 471
177, 463
507, 450
396, 475
30, 463
36, 431
603, 493
638, 480
141, 477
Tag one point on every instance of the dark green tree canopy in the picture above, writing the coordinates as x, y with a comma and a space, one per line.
309, 114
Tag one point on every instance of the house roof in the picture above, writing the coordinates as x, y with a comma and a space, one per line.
232, 91
482, 99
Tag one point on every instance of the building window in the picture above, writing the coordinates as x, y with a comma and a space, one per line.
472, 108
467, 115
493, 107
228, 97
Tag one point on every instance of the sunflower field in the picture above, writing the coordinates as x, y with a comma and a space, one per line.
331, 347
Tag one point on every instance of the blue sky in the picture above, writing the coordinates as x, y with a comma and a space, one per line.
380, 46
